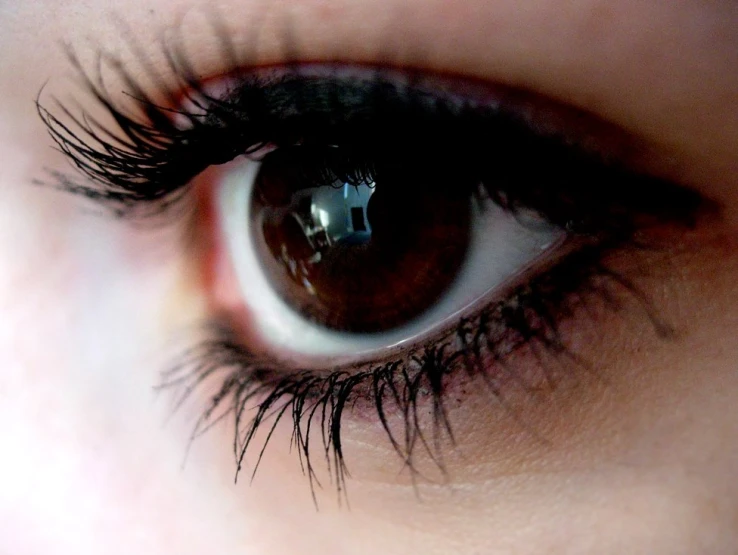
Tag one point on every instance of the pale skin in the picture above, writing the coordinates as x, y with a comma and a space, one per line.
643, 461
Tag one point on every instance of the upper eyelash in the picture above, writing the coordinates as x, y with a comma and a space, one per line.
150, 159
153, 160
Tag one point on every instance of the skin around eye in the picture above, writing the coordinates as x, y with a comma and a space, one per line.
491, 363
554, 178
634, 452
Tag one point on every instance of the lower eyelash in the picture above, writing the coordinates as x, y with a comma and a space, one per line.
257, 393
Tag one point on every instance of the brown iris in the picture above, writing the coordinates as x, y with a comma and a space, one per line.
362, 257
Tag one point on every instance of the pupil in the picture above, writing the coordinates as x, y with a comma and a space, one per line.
358, 257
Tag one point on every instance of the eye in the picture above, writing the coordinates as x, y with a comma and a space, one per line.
340, 260
391, 232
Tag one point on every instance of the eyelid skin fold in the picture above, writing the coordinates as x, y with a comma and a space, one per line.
554, 50
165, 153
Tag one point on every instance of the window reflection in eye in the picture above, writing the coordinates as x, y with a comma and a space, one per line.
398, 233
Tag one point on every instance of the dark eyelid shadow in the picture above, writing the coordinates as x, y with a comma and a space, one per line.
146, 124
154, 102
176, 73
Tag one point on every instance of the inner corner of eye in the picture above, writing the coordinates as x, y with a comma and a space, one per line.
317, 259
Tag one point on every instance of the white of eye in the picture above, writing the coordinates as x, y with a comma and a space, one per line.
502, 246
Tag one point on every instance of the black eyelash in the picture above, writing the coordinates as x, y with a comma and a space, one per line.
145, 164
149, 161
529, 316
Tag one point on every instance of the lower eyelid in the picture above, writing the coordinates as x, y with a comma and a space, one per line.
512, 406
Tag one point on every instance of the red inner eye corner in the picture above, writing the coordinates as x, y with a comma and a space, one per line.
226, 302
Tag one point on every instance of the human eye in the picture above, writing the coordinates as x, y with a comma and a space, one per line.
405, 245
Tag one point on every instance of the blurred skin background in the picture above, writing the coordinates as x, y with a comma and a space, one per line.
642, 461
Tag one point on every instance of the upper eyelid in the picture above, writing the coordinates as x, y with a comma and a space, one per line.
140, 174
548, 68
149, 130
166, 91
148, 125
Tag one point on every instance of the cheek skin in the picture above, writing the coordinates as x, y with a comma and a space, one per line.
85, 457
